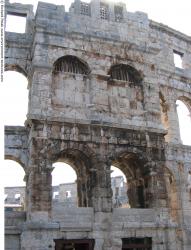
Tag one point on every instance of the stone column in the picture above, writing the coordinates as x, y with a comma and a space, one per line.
173, 135
152, 102
157, 186
26, 201
40, 193
39, 180
101, 187
95, 9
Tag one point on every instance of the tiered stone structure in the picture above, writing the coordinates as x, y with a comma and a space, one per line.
102, 91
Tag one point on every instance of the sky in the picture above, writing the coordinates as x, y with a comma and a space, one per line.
170, 12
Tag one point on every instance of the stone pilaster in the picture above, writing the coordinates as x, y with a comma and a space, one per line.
101, 188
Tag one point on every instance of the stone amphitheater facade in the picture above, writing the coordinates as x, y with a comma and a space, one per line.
103, 88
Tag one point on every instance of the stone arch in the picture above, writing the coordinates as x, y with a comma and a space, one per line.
137, 174
17, 159
125, 72
15, 67
134, 151
81, 147
67, 69
70, 64
81, 163
186, 100
131, 99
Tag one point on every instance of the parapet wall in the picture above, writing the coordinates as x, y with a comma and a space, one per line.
103, 87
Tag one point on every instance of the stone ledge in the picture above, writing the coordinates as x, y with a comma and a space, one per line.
40, 225
15, 130
12, 230
95, 123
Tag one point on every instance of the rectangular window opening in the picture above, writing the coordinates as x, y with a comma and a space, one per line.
55, 195
178, 59
77, 244
104, 11
16, 23
118, 13
137, 243
17, 196
68, 194
85, 9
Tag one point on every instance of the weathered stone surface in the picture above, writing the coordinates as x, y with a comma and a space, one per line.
102, 91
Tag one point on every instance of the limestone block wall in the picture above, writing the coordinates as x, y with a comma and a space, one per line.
13, 222
102, 91
11, 193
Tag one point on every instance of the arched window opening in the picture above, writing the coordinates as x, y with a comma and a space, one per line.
80, 163
64, 186
119, 188
67, 70
125, 73
70, 64
14, 186
137, 183
184, 118
14, 96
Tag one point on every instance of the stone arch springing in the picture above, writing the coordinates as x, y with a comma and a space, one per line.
137, 176
127, 73
183, 105
70, 64
16, 159
16, 68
